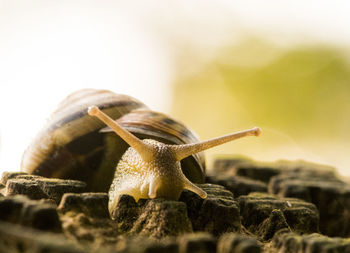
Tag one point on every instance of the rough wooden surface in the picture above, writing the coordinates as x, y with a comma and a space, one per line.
251, 207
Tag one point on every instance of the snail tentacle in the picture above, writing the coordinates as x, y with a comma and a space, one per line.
146, 151
193, 188
183, 151
153, 186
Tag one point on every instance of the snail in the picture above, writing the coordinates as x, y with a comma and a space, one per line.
164, 156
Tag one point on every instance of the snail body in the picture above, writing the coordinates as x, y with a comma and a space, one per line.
159, 178
163, 158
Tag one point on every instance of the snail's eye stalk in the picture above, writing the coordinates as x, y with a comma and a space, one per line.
146, 151
183, 151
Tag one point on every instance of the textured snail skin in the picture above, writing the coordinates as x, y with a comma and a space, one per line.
162, 177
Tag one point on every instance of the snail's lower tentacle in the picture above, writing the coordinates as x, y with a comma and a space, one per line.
153, 186
192, 187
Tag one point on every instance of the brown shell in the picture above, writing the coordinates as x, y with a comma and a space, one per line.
71, 146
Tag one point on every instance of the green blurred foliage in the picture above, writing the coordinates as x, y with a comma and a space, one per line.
299, 96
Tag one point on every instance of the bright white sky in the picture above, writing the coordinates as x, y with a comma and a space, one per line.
51, 48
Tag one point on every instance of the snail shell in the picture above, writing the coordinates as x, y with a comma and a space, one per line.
71, 145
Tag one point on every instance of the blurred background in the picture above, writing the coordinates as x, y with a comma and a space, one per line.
218, 66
